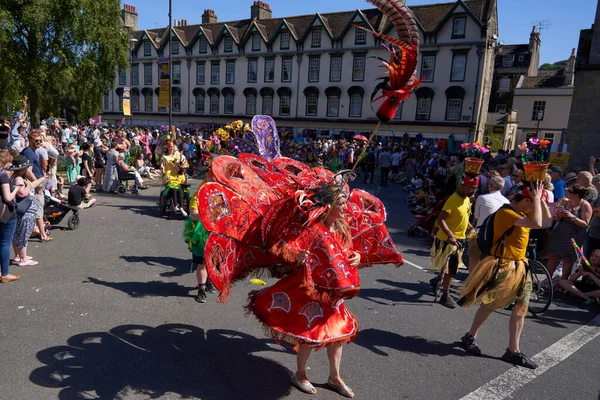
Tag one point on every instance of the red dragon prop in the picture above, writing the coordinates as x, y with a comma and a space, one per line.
399, 80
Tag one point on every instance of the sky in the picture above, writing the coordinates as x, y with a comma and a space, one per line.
563, 19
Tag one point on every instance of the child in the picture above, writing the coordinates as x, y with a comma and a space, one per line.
174, 179
588, 287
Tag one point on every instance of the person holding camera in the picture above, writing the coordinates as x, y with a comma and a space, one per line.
79, 194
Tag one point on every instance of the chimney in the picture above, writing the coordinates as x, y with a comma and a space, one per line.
260, 10
570, 70
595, 50
534, 49
209, 17
130, 17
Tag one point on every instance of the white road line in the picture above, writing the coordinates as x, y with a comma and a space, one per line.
412, 264
513, 379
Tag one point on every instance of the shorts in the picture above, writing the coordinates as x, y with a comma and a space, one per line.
39, 202
474, 250
586, 285
197, 259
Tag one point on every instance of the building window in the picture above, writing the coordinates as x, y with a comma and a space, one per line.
501, 108
123, 77
148, 74
176, 73
312, 104
230, 72
459, 27
250, 104
203, 45
252, 70
358, 68
175, 49
539, 109
162, 109
214, 103
286, 70
267, 106
427, 68
356, 101
521, 58
335, 69
147, 49
135, 74
200, 103
228, 45
549, 136
453, 109
106, 103
256, 42
360, 36
423, 109
284, 105
316, 38
200, 73
508, 61
176, 101
314, 66
269, 69
504, 85
459, 67
228, 104
135, 100
333, 105
284, 41
215, 73
148, 102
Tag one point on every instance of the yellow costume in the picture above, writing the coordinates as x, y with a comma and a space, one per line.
458, 210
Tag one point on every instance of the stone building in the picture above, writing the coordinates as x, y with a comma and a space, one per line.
315, 72
583, 133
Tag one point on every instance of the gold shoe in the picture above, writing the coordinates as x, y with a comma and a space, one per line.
7, 280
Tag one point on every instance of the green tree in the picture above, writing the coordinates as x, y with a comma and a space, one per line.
57, 51
554, 67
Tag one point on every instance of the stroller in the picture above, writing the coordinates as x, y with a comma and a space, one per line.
56, 210
426, 223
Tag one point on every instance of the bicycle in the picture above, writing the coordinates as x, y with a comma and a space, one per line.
541, 282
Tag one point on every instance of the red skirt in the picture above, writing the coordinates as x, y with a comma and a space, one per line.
291, 315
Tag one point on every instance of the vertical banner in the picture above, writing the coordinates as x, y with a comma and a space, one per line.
127, 101
164, 96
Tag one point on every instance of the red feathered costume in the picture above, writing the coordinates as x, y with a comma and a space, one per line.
261, 216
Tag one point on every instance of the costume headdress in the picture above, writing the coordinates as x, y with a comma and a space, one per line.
470, 180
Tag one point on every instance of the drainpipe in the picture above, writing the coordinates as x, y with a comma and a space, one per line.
298, 63
476, 114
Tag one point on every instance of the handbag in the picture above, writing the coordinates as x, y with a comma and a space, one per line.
23, 205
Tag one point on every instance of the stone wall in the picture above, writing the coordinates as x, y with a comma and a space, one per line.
583, 134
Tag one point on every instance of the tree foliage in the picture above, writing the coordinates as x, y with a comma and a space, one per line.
554, 67
60, 52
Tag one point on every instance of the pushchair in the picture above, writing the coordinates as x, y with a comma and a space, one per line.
56, 210
426, 223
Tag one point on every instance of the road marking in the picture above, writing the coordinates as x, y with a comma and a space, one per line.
506, 384
412, 264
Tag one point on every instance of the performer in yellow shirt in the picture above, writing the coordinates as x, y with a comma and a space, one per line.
450, 234
174, 179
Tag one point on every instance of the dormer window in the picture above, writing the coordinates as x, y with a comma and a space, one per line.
203, 45
316, 38
175, 49
147, 49
459, 27
360, 36
256, 42
507, 61
284, 40
228, 45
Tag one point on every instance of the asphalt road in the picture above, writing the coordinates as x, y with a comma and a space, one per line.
109, 314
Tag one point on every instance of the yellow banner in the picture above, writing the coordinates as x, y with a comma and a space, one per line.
164, 99
559, 159
127, 101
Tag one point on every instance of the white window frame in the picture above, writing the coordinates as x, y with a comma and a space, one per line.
202, 45
200, 103
453, 109
333, 106
267, 105
228, 104
312, 101
215, 73
285, 101
175, 48
356, 102
286, 66
428, 68
148, 102
423, 108
335, 68
269, 75
360, 36
251, 104
459, 27
200, 73
316, 37
135, 101
504, 85
228, 44
230, 72
458, 72
176, 101
256, 42
147, 49
214, 103
123, 77
358, 67
148, 79
314, 69
135, 74
538, 106
284, 41
176, 73
253, 62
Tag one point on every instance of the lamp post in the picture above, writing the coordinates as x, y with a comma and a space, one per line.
539, 117
170, 43
132, 42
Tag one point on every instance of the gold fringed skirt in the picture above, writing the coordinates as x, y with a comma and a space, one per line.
441, 252
497, 283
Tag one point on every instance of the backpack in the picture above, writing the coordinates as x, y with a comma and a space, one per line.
485, 237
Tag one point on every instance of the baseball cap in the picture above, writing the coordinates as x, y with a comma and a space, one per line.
17, 114
555, 168
571, 176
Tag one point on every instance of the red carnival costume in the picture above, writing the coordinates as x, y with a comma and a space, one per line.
262, 212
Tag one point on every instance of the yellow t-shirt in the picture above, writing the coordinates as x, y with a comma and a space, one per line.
458, 220
194, 198
175, 180
515, 244
170, 161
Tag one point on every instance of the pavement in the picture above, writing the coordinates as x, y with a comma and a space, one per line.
109, 314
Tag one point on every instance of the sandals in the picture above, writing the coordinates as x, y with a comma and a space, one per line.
344, 390
303, 387
46, 239
28, 263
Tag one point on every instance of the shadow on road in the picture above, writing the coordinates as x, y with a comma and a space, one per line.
402, 292
147, 210
375, 339
181, 266
172, 360
146, 289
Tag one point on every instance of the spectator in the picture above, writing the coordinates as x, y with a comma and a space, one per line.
129, 172
560, 187
518, 178
585, 284
396, 158
506, 172
573, 216
111, 175
370, 161
72, 161
99, 163
175, 179
37, 171
384, 165
79, 194
8, 216
87, 162
584, 178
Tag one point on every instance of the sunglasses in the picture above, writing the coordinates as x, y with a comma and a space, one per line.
516, 175
38, 141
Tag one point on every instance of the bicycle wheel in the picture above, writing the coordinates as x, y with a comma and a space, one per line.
541, 288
